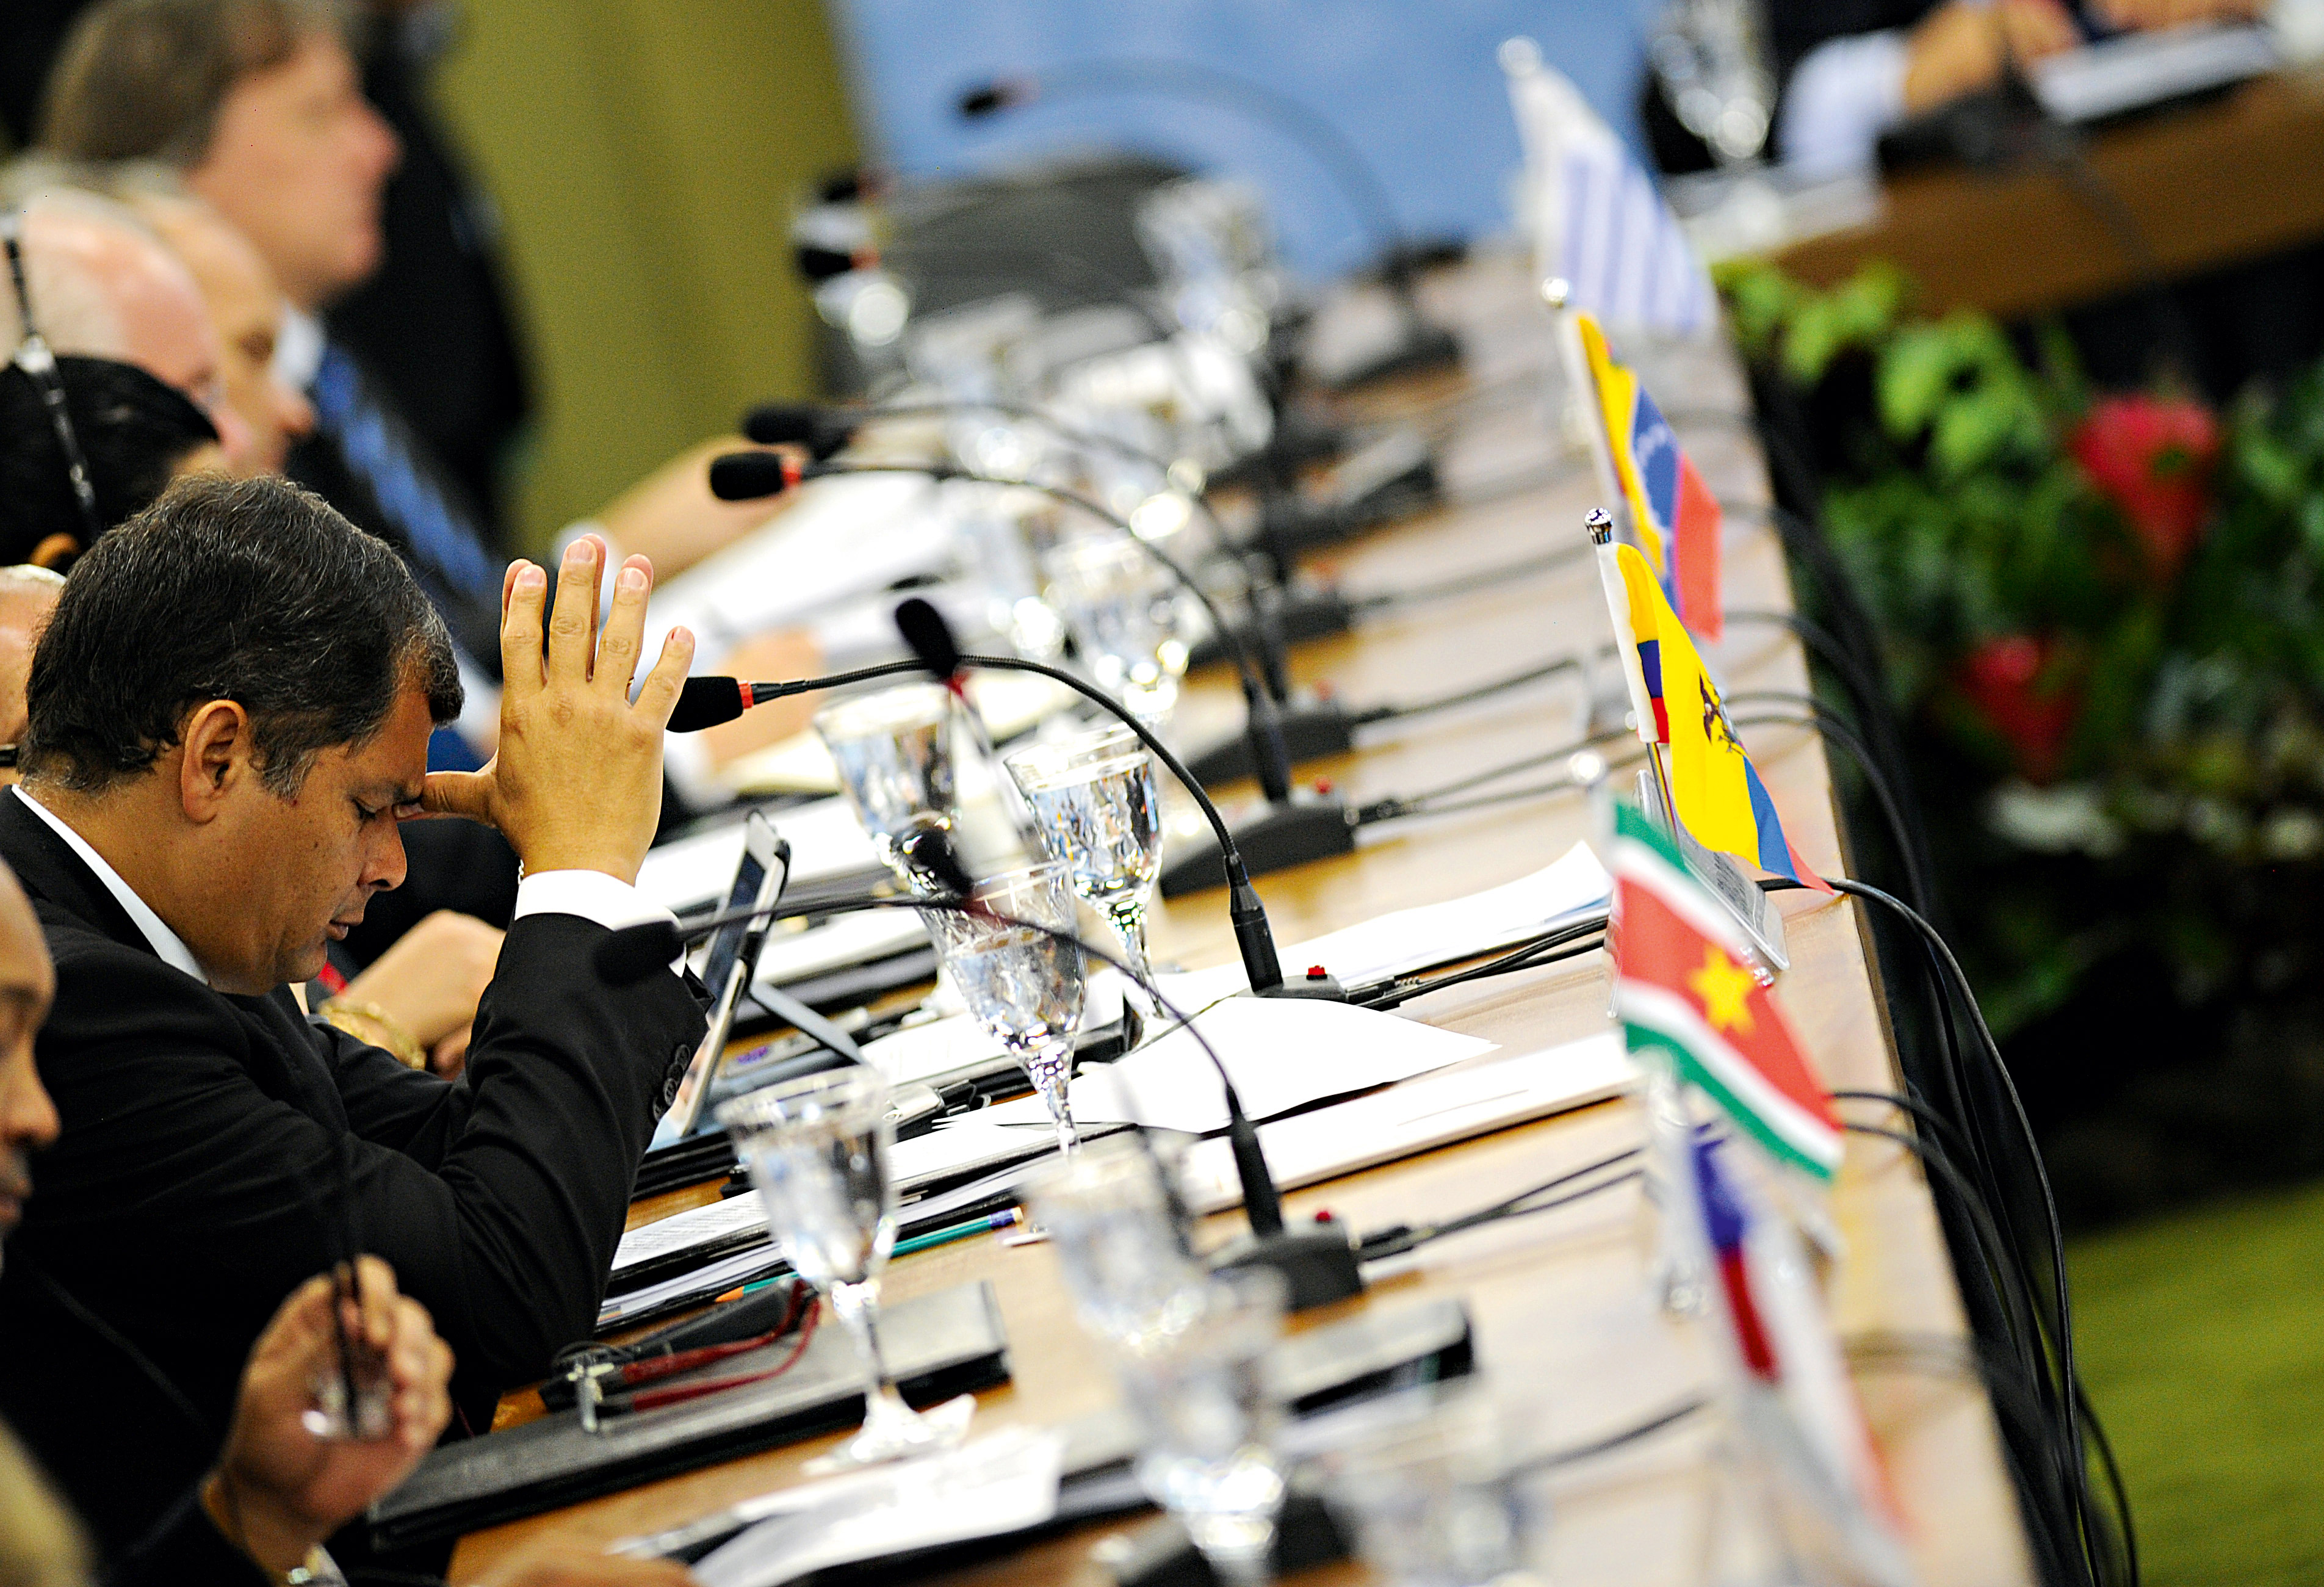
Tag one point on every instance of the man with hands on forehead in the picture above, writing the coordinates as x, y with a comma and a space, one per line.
202, 810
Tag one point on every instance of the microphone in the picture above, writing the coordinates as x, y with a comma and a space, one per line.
1290, 831
931, 639
1318, 1259
1421, 345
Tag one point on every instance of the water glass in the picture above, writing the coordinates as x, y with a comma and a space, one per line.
817, 1148
1022, 982
1095, 801
1121, 605
893, 750
1117, 1232
1423, 1486
1207, 1412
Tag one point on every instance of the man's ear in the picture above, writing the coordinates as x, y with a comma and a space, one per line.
55, 551
217, 756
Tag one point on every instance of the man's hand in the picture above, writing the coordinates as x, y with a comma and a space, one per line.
577, 783
279, 1490
1959, 47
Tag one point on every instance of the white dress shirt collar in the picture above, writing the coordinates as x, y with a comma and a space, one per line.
168, 944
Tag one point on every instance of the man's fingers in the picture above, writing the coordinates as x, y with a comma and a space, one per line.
658, 696
623, 638
528, 598
575, 619
459, 793
375, 1292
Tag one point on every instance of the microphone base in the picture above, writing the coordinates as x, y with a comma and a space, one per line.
1421, 349
1316, 612
1274, 838
1317, 1262
1408, 483
1311, 729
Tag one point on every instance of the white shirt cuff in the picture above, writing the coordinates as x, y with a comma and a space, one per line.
593, 895
1842, 96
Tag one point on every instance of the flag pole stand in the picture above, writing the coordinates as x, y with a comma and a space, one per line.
1721, 874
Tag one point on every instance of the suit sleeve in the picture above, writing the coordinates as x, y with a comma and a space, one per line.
193, 1153
184, 1547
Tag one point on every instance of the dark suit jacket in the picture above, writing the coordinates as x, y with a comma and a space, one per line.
204, 1144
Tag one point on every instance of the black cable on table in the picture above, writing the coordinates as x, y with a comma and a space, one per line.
1469, 583
1833, 730
1425, 803
1613, 1441
1566, 943
1400, 1237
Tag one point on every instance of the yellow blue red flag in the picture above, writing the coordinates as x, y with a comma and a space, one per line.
1673, 516
1720, 797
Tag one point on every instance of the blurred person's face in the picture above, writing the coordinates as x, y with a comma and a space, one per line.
28, 1119
297, 163
245, 310
25, 603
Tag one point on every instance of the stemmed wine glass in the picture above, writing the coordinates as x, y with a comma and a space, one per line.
1099, 814
893, 750
1121, 605
1024, 986
817, 1148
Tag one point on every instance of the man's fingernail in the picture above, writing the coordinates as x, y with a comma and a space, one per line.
584, 550
634, 578
530, 576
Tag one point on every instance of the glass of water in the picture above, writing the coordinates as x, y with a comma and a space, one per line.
1207, 1412
1023, 985
1424, 1486
1115, 1228
1100, 813
893, 750
1121, 605
817, 1148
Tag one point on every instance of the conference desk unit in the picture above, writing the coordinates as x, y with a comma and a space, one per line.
2235, 177
1560, 1304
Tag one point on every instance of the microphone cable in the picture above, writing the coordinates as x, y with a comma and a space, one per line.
1433, 801
1835, 730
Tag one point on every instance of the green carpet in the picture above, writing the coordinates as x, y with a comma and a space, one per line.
2201, 1337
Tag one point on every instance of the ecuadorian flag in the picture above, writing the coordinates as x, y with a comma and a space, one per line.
1720, 797
1674, 514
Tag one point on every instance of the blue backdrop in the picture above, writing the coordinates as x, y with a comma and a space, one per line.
1413, 82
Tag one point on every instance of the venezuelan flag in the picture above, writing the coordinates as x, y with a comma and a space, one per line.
1673, 516
1720, 797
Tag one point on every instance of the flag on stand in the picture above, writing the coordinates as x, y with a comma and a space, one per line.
1788, 1382
1673, 516
1596, 219
1684, 986
1721, 802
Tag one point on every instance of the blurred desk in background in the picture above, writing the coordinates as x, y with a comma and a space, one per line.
1562, 1310
2202, 186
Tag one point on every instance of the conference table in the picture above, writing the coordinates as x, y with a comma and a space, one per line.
1564, 1320
2198, 187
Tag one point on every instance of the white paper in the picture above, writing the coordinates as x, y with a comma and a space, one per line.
940, 1046
1434, 934
838, 944
1283, 1053
682, 1230
1417, 1116
1006, 1481
697, 873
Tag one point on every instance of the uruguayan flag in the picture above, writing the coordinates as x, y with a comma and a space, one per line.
1596, 219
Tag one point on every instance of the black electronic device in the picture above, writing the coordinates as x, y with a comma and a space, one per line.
731, 962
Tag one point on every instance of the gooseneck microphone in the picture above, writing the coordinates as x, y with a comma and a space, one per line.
1289, 831
1424, 347
1319, 1260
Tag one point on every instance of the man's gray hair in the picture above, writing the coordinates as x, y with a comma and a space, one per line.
66, 227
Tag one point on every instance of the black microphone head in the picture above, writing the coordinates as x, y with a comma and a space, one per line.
830, 438
776, 424
706, 702
630, 954
747, 476
989, 99
929, 853
819, 264
924, 628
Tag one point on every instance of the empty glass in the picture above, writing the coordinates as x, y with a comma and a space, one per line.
1024, 986
1423, 1486
893, 750
1094, 799
1121, 605
1207, 1411
817, 1148
1115, 1230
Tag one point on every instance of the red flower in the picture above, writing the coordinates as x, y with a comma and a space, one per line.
2152, 459
2013, 684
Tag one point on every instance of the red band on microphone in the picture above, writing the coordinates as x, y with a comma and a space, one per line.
790, 477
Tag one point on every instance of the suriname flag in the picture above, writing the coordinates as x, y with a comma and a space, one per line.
1682, 988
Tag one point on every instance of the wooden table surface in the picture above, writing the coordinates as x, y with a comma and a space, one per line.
1562, 1311
2207, 185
